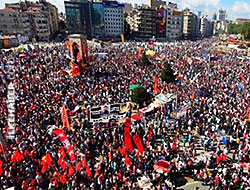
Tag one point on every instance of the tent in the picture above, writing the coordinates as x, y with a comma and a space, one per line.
133, 86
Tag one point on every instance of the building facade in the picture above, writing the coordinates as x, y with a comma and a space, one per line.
142, 23
190, 24
206, 26
221, 15
241, 21
10, 22
173, 22
78, 17
113, 18
98, 22
156, 3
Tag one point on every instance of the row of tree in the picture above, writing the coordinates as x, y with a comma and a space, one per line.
243, 29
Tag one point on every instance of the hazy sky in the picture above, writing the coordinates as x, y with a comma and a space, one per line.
235, 8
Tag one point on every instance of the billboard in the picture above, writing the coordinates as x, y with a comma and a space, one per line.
110, 111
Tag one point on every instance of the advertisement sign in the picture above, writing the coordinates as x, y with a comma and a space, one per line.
109, 111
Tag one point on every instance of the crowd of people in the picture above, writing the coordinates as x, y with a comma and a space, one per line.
209, 142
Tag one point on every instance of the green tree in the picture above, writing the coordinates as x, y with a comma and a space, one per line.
140, 96
167, 74
144, 61
245, 30
62, 25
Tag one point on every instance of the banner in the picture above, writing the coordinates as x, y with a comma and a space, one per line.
110, 111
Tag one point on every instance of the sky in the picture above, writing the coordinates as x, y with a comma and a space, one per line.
235, 8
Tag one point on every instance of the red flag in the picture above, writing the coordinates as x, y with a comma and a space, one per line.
150, 133
84, 163
48, 159
79, 57
128, 141
75, 70
88, 171
64, 118
44, 168
63, 165
78, 166
127, 161
60, 160
68, 45
155, 88
1, 170
121, 150
98, 170
62, 152
71, 170
150, 42
63, 179
66, 143
127, 125
17, 156
242, 77
138, 143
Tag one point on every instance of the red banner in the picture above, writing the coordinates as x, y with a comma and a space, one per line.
64, 118
66, 143
138, 143
128, 141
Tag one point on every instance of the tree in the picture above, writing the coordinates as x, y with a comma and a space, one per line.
144, 61
167, 74
245, 30
140, 96
62, 25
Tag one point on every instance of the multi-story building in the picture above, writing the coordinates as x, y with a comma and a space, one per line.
220, 27
173, 21
221, 15
98, 22
206, 26
10, 22
190, 24
50, 11
78, 17
241, 21
156, 3
114, 18
142, 22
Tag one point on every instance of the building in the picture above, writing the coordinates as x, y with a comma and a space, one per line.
160, 23
78, 17
239, 21
221, 15
142, 22
206, 26
156, 3
173, 22
98, 21
49, 10
190, 24
10, 22
113, 18
220, 27
214, 17
128, 8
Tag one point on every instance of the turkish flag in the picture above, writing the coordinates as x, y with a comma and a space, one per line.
17, 156
63, 165
121, 150
48, 159
71, 171
138, 143
62, 152
88, 171
84, 163
44, 168
75, 70
127, 161
128, 141
63, 179
78, 166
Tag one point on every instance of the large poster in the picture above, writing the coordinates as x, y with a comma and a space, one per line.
109, 111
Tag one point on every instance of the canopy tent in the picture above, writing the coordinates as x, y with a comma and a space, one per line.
133, 86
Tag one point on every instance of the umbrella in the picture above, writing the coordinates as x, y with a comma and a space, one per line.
136, 117
162, 166
133, 86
